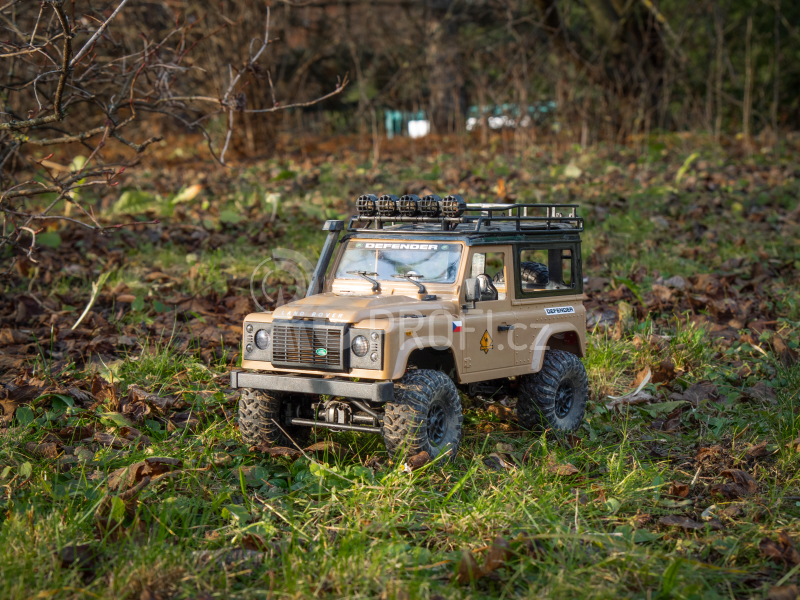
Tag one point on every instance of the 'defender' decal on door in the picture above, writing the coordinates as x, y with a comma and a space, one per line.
560, 310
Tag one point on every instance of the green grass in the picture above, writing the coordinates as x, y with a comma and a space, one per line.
333, 527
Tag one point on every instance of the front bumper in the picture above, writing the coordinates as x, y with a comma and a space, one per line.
377, 391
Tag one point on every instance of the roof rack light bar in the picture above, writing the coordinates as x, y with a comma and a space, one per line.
453, 211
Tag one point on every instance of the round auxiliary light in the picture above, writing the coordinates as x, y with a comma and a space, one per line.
249, 347
360, 346
374, 335
374, 357
249, 328
387, 205
262, 339
409, 205
367, 205
429, 205
453, 206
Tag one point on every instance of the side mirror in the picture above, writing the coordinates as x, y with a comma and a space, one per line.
472, 292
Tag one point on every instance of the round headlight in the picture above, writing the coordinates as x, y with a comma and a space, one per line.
360, 346
374, 357
262, 339
249, 347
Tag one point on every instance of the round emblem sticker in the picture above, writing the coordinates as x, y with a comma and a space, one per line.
322, 352
359, 245
445, 247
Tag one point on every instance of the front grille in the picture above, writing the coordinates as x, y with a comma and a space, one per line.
298, 345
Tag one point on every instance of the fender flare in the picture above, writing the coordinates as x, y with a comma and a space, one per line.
540, 343
418, 343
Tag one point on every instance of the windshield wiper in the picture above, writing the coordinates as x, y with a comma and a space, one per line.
409, 277
376, 287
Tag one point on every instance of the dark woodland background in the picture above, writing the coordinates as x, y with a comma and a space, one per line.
613, 68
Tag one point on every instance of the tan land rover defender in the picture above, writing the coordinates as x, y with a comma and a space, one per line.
423, 294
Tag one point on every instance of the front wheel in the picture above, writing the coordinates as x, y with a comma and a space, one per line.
557, 394
425, 415
259, 413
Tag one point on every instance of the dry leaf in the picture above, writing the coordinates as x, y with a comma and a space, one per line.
561, 469
275, 451
742, 484
497, 555
48, 450
782, 552
468, 569
501, 412
149, 468
758, 451
417, 461
107, 439
682, 522
497, 462
665, 372
328, 448
783, 592
681, 490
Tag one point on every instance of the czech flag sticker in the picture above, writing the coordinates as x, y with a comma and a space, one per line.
456, 326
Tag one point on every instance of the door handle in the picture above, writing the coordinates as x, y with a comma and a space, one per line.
505, 327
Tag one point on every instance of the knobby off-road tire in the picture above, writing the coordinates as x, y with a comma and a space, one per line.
425, 415
555, 396
530, 273
257, 409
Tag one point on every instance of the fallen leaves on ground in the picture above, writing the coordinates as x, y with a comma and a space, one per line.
561, 469
468, 568
782, 552
151, 468
783, 592
417, 461
689, 524
290, 453
742, 484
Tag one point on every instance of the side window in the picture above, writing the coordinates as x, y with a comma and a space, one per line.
545, 269
491, 264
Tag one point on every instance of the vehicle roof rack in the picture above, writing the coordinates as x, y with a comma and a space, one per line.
451, 215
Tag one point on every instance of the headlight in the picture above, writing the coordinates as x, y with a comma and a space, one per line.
249, 347
374, 357
262, 339
360, 346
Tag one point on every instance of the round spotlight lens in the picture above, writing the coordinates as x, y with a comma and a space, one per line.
249, 329
453, 206
367, 205
360, 346
374, 335
409, 205
429, 206
387, 205
374, 357
262, 339
249, 347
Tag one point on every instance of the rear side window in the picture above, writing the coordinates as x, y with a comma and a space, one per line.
545, 270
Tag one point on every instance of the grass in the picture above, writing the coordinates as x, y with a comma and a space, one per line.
331, 526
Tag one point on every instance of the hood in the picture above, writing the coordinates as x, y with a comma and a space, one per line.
353, 309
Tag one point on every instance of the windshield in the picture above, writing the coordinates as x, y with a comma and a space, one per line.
433, 262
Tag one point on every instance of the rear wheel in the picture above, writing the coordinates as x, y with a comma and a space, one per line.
556, 395
425, 415
259, 413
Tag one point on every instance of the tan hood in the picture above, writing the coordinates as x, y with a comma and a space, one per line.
354, 309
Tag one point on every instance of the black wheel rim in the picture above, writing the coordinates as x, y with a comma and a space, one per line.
436, 423
564, 396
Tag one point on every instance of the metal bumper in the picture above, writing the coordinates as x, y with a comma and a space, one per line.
378, 391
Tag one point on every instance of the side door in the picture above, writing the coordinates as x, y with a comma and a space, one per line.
488, 328
545, 288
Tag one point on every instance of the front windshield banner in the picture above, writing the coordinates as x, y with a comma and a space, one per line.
431, 262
